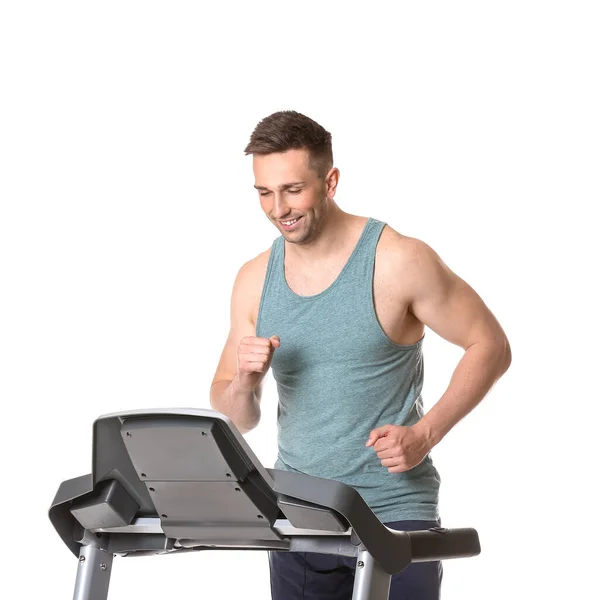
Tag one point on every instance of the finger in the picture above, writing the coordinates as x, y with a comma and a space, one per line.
378, 433
371, 440
275, 341
253, 367
389, 453
386, 443
257, 341
398, 464
375, 434
254, 357
259, 350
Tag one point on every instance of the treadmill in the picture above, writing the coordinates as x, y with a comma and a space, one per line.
181, 480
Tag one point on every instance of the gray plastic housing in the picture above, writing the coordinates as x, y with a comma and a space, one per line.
193, 470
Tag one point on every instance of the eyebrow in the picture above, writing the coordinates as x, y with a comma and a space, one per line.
282, 187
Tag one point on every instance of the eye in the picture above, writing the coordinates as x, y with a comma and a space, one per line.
264, 193
294, 191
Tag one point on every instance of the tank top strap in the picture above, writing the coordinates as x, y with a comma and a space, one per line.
361, 269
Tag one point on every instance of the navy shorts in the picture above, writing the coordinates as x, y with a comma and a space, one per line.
313, 576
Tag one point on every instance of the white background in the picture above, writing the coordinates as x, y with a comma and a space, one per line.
128, 207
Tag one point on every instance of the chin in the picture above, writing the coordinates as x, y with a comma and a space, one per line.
302, 239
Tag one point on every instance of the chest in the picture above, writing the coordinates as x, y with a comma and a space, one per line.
387, 299
309, 280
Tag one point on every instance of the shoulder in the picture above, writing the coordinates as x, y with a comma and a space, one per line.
396, 249
252, 273
248, 284
254, 268
408, 262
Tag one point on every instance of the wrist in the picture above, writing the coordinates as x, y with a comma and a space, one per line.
428, 432
236, 387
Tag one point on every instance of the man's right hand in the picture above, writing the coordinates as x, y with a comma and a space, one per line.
254, 356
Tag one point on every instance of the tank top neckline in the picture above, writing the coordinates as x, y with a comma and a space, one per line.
349, 261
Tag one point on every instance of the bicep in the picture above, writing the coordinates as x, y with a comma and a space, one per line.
446, 303
242, 324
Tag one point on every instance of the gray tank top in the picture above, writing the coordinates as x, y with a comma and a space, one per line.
338, 377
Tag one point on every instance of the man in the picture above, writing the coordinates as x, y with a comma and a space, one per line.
337, 307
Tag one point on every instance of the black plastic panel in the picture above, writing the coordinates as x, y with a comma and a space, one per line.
108, 506
307, 515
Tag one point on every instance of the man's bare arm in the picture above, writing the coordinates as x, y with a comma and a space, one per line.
236, 386
241, 406
449, 306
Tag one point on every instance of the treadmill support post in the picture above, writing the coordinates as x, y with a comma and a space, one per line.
94, 572
371, 582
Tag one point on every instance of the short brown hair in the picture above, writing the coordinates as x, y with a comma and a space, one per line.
290, 130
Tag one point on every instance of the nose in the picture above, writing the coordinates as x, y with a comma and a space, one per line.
280, 207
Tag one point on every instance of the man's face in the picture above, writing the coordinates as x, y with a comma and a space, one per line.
292, 195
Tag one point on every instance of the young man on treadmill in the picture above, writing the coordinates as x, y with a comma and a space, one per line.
338, 307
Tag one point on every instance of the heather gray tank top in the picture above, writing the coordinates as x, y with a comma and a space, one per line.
338, 377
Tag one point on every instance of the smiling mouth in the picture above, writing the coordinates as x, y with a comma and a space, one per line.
290, 223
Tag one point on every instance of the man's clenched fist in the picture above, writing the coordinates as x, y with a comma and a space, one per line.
399, 448
254, 356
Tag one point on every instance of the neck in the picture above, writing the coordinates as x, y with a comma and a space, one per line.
333, 236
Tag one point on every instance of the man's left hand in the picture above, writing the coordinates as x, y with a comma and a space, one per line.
399, 448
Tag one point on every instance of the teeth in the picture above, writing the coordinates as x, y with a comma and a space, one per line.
289, 222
